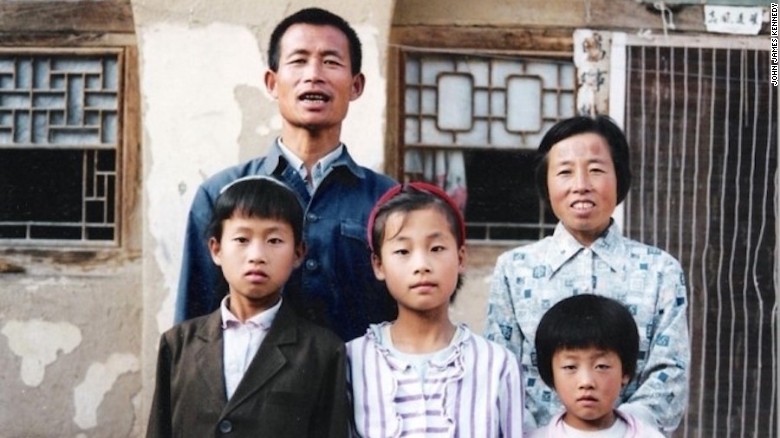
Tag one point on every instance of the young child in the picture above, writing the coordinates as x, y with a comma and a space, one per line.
252, 368
586, 350
421, 375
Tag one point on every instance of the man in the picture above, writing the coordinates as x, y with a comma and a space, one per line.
314, 61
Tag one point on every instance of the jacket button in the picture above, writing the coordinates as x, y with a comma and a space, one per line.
311, 217
311, 264
225, 426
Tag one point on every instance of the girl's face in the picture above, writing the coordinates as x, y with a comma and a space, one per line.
420, 260
257, 257
588, 381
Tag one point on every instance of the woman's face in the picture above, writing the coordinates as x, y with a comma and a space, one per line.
582, 185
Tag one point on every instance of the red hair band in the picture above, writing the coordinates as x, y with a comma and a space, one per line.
423, 187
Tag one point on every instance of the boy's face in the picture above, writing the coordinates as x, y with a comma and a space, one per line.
314, 83
256, 256
420, 260
588, 381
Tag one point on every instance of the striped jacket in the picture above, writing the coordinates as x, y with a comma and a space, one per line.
473, 389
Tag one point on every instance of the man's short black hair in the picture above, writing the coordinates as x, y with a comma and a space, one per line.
318, 17
585, 321
601, 125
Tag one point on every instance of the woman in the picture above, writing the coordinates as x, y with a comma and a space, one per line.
582, 173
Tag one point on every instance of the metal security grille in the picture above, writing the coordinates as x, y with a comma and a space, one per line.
471, 123
59, 137
702, 122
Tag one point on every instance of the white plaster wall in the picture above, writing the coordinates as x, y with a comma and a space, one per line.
204, 107
191, 125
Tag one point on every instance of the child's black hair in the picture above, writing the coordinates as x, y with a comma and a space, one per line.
585, 321
408, 199
257, 197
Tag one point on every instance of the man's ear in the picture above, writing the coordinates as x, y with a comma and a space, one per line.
214, 248
270, 83
358, 85
626, 379
379, 269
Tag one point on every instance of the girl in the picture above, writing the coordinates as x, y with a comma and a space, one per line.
421, 375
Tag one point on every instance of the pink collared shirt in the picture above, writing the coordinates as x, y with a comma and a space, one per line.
241, 340
625, 426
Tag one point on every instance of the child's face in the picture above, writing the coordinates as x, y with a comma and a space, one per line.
257, 256
420, 260
588, 381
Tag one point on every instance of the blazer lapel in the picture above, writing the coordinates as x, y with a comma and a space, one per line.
208, 360
269, 359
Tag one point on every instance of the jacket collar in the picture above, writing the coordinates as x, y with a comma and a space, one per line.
269, 359
609, 247
275, 160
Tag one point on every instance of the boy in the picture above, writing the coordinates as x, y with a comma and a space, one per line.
586, 350
421, 375
252, 368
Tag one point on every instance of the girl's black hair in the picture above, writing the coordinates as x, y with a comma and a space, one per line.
585, 321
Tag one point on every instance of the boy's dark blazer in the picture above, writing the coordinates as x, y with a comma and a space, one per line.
294, 387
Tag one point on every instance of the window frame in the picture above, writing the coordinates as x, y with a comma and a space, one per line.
551, 44
30, 27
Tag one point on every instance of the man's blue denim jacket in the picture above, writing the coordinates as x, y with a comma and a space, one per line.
335, 285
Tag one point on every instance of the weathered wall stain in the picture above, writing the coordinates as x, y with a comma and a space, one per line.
100, 378
39, 343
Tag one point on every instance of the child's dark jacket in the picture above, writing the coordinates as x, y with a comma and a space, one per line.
295, 385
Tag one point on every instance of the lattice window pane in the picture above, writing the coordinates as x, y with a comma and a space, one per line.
455, 105
59, 142
471, 124
524, 103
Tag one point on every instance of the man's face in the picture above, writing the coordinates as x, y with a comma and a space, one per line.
314, 83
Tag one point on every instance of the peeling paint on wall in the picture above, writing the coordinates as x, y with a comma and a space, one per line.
363, 129
39, 343
99, 380
192, 123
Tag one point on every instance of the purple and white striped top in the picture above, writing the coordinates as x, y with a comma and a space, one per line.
472, 388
